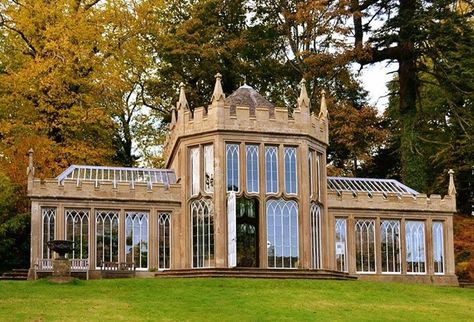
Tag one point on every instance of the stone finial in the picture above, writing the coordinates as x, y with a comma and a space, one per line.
303, 99
182, 101
323, 112
30, 171
173, 115
451, 187
218, 93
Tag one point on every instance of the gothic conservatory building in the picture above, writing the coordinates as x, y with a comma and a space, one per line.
245, 187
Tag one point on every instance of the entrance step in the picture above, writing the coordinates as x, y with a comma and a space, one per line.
15, 275
257, 273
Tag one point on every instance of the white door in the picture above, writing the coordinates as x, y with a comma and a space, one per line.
231, 230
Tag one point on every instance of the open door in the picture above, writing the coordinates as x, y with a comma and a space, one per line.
231, 230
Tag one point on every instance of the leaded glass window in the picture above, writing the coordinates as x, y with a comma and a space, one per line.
365, 245
194, 161
209, 168
252, 168
271, 169
316, 235
390, 246
341, 245
311, 173
318, 175
282, 234
107, 226
164, 240
438, 247
232, 156
415, 247
290, 170
77, 230
202, 217
136, 239
49, 222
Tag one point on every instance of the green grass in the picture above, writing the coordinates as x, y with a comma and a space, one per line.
232, 300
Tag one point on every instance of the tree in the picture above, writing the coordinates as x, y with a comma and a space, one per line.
411, 32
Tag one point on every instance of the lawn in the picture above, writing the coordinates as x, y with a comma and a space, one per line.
232, 300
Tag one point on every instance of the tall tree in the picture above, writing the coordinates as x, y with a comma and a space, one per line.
406, 32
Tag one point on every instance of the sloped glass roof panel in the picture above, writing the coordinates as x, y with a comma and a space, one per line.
100, 174
366, 185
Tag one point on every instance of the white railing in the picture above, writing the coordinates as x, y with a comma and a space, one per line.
79, 265
44, 265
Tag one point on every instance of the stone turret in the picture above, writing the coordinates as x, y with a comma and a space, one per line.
303, 101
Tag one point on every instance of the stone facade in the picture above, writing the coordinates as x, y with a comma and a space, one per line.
248, 188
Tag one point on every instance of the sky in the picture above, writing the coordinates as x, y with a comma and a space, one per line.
374, 78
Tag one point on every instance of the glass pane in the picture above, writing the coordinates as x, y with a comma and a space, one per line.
232, 157
252, 168
415, 246
271, 169
290, 170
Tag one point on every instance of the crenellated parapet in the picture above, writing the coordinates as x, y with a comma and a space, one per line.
120, 191
247, 111
392, 201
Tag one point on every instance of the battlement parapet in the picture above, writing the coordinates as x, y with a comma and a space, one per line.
391, 201
50, 189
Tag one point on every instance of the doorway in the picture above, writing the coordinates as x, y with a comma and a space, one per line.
247, 232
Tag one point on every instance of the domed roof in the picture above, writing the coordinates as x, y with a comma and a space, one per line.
248, 97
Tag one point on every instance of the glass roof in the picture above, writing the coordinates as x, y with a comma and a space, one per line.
364, 185
99, 174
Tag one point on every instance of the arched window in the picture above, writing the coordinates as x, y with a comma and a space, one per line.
438, 247
365, 245
315, 214
271, 169
136, 239
49, 222
106, 236
390, 246
202, 219
290, 170
251, 152
415, 246
341, 245
282, 234
232, 157
164, 240
77, 230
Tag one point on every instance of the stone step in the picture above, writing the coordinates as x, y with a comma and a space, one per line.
16, 274
257, 273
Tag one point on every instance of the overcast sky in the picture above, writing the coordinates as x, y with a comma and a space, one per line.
375, 78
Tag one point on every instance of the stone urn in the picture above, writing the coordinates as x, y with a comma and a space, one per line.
61, 265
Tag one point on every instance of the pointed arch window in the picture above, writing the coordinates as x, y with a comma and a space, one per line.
232, 157
271, 169
365, 245
282, 234
438, 247
290, 170
202, 223
164, 241
106, 236
136, 239
251, 152
194, 160
77, 230
415, 247
390, 246
341, 244
49, 223
316, 235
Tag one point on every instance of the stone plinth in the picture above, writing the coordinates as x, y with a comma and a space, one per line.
61, 268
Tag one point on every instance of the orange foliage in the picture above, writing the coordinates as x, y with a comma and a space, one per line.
464, 247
